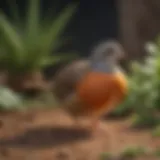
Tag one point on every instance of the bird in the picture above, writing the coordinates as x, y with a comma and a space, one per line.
101, 88
66, 78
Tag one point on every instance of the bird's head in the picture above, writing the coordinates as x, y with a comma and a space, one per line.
108, 52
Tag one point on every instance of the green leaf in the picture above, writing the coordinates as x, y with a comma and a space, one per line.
30, 45
56, 59
32, 19
12, 39
9, 100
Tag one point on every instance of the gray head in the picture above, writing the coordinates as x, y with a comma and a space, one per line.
108, 51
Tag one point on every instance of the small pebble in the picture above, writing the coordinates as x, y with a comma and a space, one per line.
4, 152
64, 154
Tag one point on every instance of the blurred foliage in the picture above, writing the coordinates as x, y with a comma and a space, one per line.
28, 44
140, 120
106, 156
130, 152
156, 131
43, 100
144, 88
133, 152
9, 100
157, 152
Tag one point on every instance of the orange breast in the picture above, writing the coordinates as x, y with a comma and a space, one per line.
96, 88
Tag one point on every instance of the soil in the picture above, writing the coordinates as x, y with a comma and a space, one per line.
51, 135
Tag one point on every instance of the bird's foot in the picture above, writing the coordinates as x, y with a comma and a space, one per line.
78, 124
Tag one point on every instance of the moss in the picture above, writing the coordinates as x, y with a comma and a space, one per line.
156, 131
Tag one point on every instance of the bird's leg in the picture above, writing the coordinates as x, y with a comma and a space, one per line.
96, 126
107, 108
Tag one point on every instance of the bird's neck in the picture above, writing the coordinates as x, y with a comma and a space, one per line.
106, 67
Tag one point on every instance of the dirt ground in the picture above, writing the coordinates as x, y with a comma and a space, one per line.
50, 135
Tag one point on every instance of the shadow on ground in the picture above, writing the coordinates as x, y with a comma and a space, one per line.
46, 137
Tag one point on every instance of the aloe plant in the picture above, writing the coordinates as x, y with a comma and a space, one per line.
30, 45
